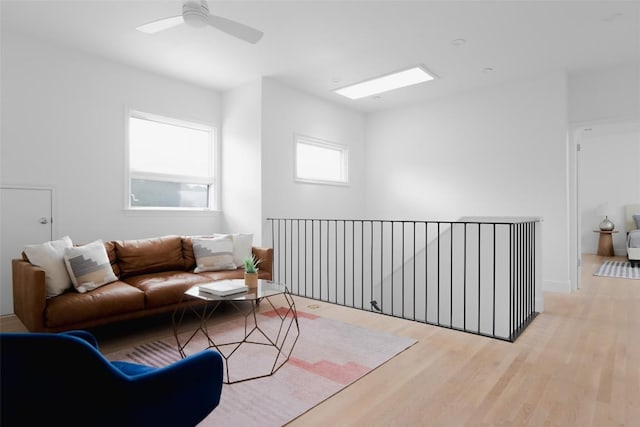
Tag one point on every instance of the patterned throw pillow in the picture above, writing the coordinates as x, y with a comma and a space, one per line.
50, 257
89, 266
213, 254
242, 244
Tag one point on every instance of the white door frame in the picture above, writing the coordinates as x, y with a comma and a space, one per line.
576, 130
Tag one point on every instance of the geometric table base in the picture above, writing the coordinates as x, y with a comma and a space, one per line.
276, 343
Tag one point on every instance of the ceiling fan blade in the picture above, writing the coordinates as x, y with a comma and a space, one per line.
161, 24
235, 29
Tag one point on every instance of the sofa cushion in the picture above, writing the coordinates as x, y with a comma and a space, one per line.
242, 244
187, 251
108, 300
113, 257
165, 288
149, 255
213, 254
88, 266
50, 257
187, 254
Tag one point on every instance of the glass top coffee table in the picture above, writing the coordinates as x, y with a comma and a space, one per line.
260, 342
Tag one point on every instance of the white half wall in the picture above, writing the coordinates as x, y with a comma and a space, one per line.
285, 112
63, 126
495, 152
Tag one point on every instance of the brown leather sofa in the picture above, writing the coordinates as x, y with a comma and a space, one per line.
153, 275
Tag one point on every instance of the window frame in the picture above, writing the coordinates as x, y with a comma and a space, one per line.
213, 180
317, 142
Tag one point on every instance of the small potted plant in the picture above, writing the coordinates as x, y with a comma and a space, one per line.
251, 271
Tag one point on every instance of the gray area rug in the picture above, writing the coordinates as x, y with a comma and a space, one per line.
619, 269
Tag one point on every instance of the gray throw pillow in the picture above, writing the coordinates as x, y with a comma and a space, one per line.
636, 218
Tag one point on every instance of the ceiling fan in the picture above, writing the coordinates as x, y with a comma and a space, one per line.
195, 13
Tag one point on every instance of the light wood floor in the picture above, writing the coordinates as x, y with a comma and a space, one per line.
577, 364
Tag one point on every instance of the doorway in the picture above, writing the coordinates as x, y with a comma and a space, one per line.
26, 217
606, 179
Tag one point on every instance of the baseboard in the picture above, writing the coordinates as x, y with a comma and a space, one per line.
555, 286
539, 304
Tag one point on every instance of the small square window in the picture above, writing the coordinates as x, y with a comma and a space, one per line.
320, 162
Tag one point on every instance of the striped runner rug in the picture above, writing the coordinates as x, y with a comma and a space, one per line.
619, 269
328, 356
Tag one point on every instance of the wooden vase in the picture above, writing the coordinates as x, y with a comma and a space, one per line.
251, 280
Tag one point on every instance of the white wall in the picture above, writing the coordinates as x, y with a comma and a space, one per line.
241, 160
604, 93
495, 152
285, 112
63, 126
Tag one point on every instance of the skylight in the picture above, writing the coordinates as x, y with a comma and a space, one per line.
386, 83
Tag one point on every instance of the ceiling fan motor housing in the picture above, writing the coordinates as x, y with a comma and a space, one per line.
195, 13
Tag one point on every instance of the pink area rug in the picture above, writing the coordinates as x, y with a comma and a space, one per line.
327, 356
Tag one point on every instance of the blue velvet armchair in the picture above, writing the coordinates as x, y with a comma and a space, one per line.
62, 379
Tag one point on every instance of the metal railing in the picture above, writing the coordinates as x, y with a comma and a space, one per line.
473, 276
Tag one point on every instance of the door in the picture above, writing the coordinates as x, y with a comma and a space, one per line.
25, 218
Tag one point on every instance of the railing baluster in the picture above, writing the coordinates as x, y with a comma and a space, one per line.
336, 259
464, 281
438, 277
305, 257
451, 275
313, 259
426, 272
285, 251
371, 276
493, 307
479, 272
382, 266
393, 243
344, 263
511, 282
414, 271
402, 262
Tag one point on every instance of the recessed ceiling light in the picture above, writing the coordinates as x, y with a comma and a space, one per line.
458, 42
386, 83
487, 69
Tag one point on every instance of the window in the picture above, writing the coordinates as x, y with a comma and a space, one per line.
320, 161
171, 164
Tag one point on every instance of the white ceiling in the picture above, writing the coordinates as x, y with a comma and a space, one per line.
317, 46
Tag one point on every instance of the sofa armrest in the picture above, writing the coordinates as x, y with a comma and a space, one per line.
266, 263
29, 294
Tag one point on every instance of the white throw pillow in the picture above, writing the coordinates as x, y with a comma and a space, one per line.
89, 266
50, 257
213, 254
242, 244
